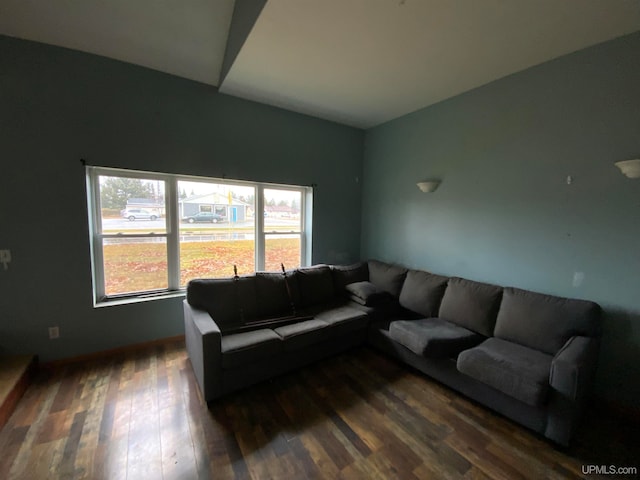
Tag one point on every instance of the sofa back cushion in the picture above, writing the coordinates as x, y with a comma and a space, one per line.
545, 322
422, 292
315, 285
272, 295
293, 289
228, 301
470, 304
387, 277
343, 275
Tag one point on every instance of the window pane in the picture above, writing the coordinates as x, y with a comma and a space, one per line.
281, 249
282, 210
217, 230
131, 205
133, 232
134, 264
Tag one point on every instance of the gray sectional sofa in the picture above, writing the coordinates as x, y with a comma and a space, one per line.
526, 355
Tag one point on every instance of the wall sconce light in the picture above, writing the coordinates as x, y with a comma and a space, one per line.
428, 186
629, 168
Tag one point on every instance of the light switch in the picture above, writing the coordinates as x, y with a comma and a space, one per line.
5, 258
578, 278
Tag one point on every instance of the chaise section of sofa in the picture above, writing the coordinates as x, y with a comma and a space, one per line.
543, 353
526, 355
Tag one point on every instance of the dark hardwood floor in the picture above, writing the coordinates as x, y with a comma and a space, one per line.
358, 415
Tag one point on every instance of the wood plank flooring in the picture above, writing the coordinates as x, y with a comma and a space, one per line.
356, 416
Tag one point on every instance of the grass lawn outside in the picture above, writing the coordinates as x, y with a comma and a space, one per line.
135, 267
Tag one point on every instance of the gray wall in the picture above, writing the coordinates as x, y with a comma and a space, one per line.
58, 106
504, 212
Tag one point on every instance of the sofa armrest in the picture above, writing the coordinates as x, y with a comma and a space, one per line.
573, 367
203, 341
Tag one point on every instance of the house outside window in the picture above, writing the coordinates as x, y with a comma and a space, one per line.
151, 232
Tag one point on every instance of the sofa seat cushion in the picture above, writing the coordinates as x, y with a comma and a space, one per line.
247, 347
343, 319
433, 337
520, 372
303, 334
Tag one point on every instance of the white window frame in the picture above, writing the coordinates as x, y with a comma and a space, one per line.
260, 259
172, 233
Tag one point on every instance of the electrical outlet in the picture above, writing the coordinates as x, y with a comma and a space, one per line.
54, 332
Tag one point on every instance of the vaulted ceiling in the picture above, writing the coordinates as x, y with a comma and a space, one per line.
357, 62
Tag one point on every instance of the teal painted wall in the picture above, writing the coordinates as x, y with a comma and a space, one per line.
504, 212
58, 106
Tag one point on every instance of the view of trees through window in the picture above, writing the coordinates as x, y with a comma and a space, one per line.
216, 229
133, 222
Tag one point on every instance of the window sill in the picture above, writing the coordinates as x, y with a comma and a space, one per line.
139, 299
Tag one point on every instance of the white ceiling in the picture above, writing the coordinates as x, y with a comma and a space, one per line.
185, 38
357, 62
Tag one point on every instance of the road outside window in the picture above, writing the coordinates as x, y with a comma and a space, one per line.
152, 233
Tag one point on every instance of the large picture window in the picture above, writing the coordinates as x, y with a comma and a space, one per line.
151, 233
